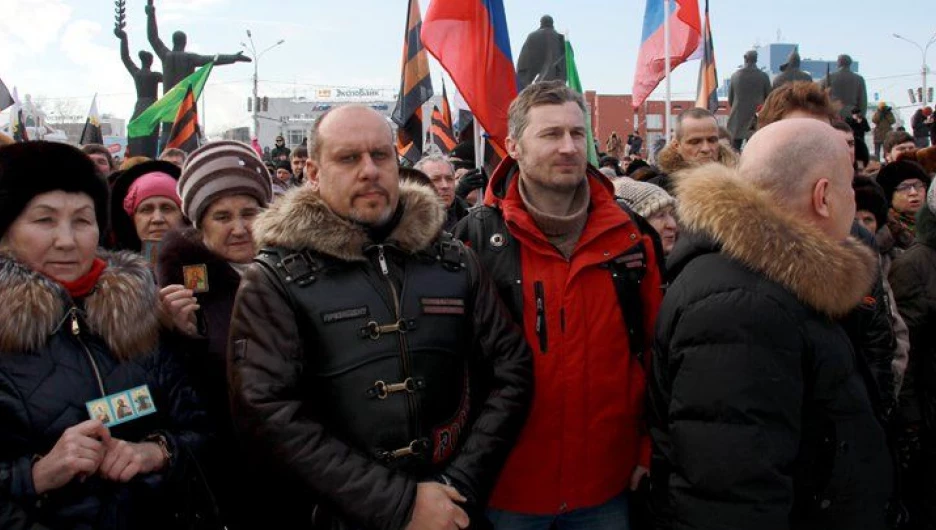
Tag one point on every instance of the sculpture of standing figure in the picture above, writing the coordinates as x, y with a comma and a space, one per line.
542, 57
147, 90
748, 89
177, 63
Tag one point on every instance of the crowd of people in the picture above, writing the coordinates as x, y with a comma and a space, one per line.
724, 338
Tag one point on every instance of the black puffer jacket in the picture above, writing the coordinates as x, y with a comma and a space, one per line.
759, 415
48, 373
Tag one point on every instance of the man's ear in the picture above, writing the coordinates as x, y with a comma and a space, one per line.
311, 170
820, 198
513, 147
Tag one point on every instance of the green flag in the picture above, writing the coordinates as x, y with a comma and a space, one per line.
576, 84
167, 107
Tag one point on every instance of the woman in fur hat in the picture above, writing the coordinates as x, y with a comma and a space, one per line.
224, 186
78, 335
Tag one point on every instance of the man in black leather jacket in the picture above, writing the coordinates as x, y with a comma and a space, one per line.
373, 369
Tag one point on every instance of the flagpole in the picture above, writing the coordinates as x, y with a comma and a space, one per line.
666, 54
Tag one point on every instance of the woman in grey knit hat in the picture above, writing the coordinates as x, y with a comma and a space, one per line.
653, 204
223, 187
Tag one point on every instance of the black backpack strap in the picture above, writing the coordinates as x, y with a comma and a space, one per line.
627, 272
645, 228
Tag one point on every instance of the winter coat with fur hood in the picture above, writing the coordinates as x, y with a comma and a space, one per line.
759, 414
56, 355
290, 373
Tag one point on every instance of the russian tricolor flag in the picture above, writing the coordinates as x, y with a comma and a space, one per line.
685, 28
469, 38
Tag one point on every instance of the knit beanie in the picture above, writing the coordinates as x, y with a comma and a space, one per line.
155, 184
892, 174
644, 198
221, 169
870, 197
29, 169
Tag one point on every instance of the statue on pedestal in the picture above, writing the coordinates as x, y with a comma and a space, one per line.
146, 81
177, 64
791, 71
847, 89
748, 89
542, 57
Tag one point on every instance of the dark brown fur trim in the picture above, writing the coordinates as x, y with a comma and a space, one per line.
669, 160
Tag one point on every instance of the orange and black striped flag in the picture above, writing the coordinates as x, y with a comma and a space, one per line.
443, 134
184, 133
415, 89
708, 75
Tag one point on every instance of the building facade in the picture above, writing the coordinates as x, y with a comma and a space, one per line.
615, 113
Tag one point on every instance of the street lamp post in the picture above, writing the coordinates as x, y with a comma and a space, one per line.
923, 52
256, 62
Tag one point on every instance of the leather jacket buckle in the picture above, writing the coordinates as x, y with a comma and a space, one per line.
298, 268
415, 448
382, 390
372, 330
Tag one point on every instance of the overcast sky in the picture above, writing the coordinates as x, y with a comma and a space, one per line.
65, 50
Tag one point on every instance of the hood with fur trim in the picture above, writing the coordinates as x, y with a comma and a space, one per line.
121, 309
749, 227
300, 219
670, 161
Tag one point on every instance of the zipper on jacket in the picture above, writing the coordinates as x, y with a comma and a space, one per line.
411, 402
562, 319
76, 332
540, 295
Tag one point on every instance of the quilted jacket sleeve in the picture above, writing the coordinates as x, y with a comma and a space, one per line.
726, 406
506, 354
266, 364
190, 431
15, 473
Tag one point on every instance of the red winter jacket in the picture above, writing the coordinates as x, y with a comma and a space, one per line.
586, 431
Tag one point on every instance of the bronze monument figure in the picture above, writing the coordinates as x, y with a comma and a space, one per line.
542, 57
145, 80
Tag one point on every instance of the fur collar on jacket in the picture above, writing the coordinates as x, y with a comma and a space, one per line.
121, 309
747, 224
669, 160
301, 220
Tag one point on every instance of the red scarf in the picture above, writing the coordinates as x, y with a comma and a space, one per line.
83, 286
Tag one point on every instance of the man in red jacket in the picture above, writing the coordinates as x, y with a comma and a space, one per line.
583, 282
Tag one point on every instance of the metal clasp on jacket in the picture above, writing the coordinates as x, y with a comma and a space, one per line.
415, 448
382, 390
372, 330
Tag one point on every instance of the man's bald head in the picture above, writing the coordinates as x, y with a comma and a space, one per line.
340, 114
805, 166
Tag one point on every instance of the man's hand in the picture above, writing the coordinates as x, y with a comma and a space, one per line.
150, 8
241, 58
435, 508
78, 452
125, 460
119, 33
470, 181
639, 473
